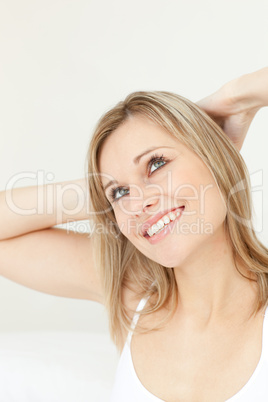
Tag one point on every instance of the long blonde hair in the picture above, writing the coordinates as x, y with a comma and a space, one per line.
118, 262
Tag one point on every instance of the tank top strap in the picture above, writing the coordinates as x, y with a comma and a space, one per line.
136, 317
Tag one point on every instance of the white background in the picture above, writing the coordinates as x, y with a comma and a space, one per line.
64, 63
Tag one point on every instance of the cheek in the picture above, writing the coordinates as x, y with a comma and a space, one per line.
201, 195
120, 222
211, 209
215, 209
190, 188
126, 224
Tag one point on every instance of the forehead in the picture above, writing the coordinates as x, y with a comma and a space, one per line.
134, 136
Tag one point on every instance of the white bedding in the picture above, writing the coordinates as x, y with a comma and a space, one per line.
56, 367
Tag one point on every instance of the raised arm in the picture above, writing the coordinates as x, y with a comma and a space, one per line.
37, 255
236, 103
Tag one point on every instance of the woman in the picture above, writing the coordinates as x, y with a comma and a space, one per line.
173, 236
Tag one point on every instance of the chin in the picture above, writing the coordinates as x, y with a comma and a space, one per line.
168, 261
171, 263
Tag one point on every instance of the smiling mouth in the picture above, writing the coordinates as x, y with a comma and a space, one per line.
158, 226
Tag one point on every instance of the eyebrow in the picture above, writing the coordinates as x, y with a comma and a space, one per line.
136, 161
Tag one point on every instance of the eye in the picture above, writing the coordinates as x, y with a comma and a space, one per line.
119, 190
155, 161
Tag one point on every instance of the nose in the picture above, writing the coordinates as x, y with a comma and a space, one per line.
145, 200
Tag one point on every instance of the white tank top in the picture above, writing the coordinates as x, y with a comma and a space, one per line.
128, 388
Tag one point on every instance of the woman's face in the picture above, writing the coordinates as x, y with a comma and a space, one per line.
153, 174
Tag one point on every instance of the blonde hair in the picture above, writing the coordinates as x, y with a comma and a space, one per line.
119, 263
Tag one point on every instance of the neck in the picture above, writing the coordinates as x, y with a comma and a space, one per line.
209, 285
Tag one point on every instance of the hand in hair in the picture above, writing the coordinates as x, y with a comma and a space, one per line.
235, 104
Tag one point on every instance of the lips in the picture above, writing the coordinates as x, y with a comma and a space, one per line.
156, 218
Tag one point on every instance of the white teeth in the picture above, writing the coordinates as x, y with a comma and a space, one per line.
172, 216
165, 220
155, 228
160, 224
